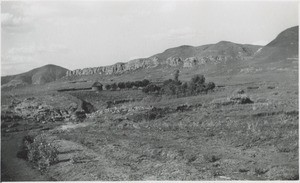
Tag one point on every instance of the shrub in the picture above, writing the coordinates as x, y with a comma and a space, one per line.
260, 171
152, 114
175, 87
145, 82
211, 85
23, 152
171, 87
197, 85
198, 79
211, 158
121, 85
113, 86
128, 84
40, 152
176, 75
241, 99
152, 88
138, 83
107, 87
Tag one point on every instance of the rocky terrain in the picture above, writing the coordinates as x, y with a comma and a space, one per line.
183, 56
208, 58
246, 128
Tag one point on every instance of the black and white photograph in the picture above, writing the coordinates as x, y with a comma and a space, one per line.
149, 90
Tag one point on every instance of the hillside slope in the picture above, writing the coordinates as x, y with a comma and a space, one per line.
182, 56
284, 46
41, 75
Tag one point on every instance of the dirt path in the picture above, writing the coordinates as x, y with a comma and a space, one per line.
13, 168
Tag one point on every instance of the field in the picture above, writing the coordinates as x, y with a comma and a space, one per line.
133, 136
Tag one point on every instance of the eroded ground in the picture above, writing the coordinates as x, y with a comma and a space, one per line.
207, 137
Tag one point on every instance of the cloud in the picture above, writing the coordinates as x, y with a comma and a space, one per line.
10, 20
28, 57
13, 64
168, 6
34, 49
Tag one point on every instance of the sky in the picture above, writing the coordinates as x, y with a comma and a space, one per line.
79, 34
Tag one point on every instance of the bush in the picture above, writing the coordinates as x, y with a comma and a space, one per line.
39, 152
107, 87
176, 75
128, 84
175, 87
197, 85
23, 152
138, 84
198, 79
121, 85
145, 82
211, 158
113, 86
211, 86
152, 88
152, 114
241, 99
171, 87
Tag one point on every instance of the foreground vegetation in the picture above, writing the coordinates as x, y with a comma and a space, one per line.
239, 132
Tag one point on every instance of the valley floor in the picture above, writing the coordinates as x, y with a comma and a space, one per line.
205, 137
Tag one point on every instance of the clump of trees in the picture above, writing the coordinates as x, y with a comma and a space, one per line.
151, 88
195, 86
127, 85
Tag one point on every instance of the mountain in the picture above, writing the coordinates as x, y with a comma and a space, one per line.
223, 53
182, 56
41, 75
219, 58
284, 46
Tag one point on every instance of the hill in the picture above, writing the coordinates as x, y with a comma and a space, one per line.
182, 56
220, 59
41, 75
284, 46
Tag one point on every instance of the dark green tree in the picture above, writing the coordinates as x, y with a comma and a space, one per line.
121, 85
107, 86
176, 75
198, 79
113, 86
128, 84
145, 82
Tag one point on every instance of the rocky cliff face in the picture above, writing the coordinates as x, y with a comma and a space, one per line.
117, 68
183, 56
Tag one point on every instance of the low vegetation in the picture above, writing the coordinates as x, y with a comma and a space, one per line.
127, 85
38, 151
175, 87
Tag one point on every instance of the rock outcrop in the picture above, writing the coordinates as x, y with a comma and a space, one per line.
32, 109
174, 61
182, 56
117, 68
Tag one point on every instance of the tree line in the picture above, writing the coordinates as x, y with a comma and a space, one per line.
128, 84
195, 86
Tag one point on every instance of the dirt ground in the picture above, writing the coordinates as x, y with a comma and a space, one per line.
13, 168
205, 137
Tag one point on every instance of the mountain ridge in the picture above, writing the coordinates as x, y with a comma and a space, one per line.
220, 54
184, 55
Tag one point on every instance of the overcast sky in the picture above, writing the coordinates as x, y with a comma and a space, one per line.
89, 34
